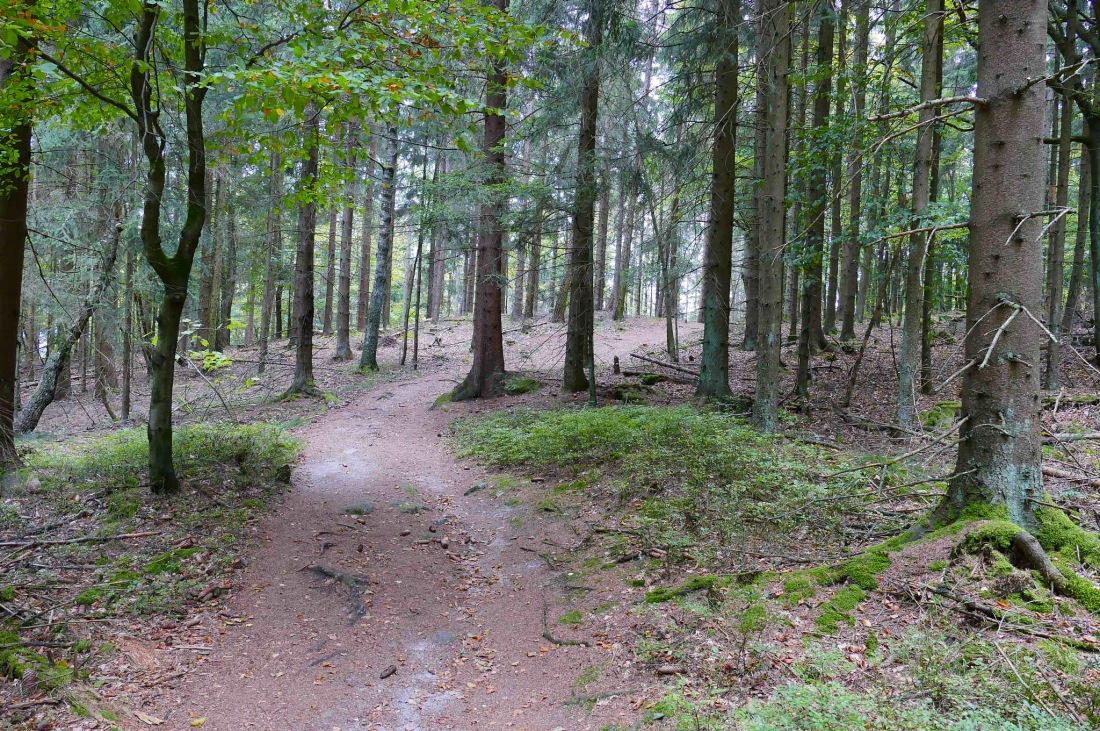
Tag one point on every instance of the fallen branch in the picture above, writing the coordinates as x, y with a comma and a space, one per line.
1056, 439
1061, 474
663, 364
352, 582
85, 539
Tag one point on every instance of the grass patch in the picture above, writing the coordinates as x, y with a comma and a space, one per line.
694, 477
97, 488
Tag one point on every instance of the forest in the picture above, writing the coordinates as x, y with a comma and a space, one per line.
538, 364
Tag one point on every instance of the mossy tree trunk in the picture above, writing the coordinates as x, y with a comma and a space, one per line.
999, 460
173, 271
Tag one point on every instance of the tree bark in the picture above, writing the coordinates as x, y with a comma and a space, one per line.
368, 359
347, 224
17, 93
717, 257
173, 271
1077, 271
273, 246
773, 66
836, 181
303, 268
66, 340
365, 241
811, 335
578, 339
849, 265
330, 274
909, 355
486, 376
1057, 249
1000, 455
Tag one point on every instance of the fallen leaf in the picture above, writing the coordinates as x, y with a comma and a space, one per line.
196, 722
147, 719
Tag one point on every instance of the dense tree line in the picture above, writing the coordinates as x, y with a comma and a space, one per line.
181, 177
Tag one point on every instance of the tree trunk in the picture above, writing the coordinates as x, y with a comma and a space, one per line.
368, 227
1057, 251
601, 246
578, 339
173, 271
486, 376
849, 265
303, 269
368, 359
1000, 454
16, 127
438, 271
1077, 272
909, 355
343, 299
530, 308
717, 257
67, 338
773, 65
127, 337
330, 275
811, 335
836, 182
229, 278
273, 246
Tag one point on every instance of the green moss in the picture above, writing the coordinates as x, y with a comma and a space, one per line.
7, 594
652, 379
938, 565
1057, 532
574, 617
997, 534
1082, 590
872, 643
862, 570
635, 582
170, 562
839, 609
89, 597
1001, 566
519, 386
798, 586
709, 582
942, 414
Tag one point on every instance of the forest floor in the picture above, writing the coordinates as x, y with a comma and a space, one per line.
402, 584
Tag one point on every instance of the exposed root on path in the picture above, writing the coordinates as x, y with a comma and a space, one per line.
354, 587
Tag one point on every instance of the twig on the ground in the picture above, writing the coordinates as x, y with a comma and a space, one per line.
84, 539
352, 583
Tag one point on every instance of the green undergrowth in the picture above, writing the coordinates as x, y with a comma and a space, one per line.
188, 544
933, 678
688, 477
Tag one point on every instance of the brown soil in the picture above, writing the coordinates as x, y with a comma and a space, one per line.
457, 597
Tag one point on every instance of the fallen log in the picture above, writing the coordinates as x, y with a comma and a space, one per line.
664, 364
1061, 474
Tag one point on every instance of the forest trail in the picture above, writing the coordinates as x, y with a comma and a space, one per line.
456, 595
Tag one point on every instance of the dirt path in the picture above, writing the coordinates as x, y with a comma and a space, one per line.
456, 597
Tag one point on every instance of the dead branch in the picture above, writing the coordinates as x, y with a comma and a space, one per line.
663, 364
85, 539
932, 103
352, 583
